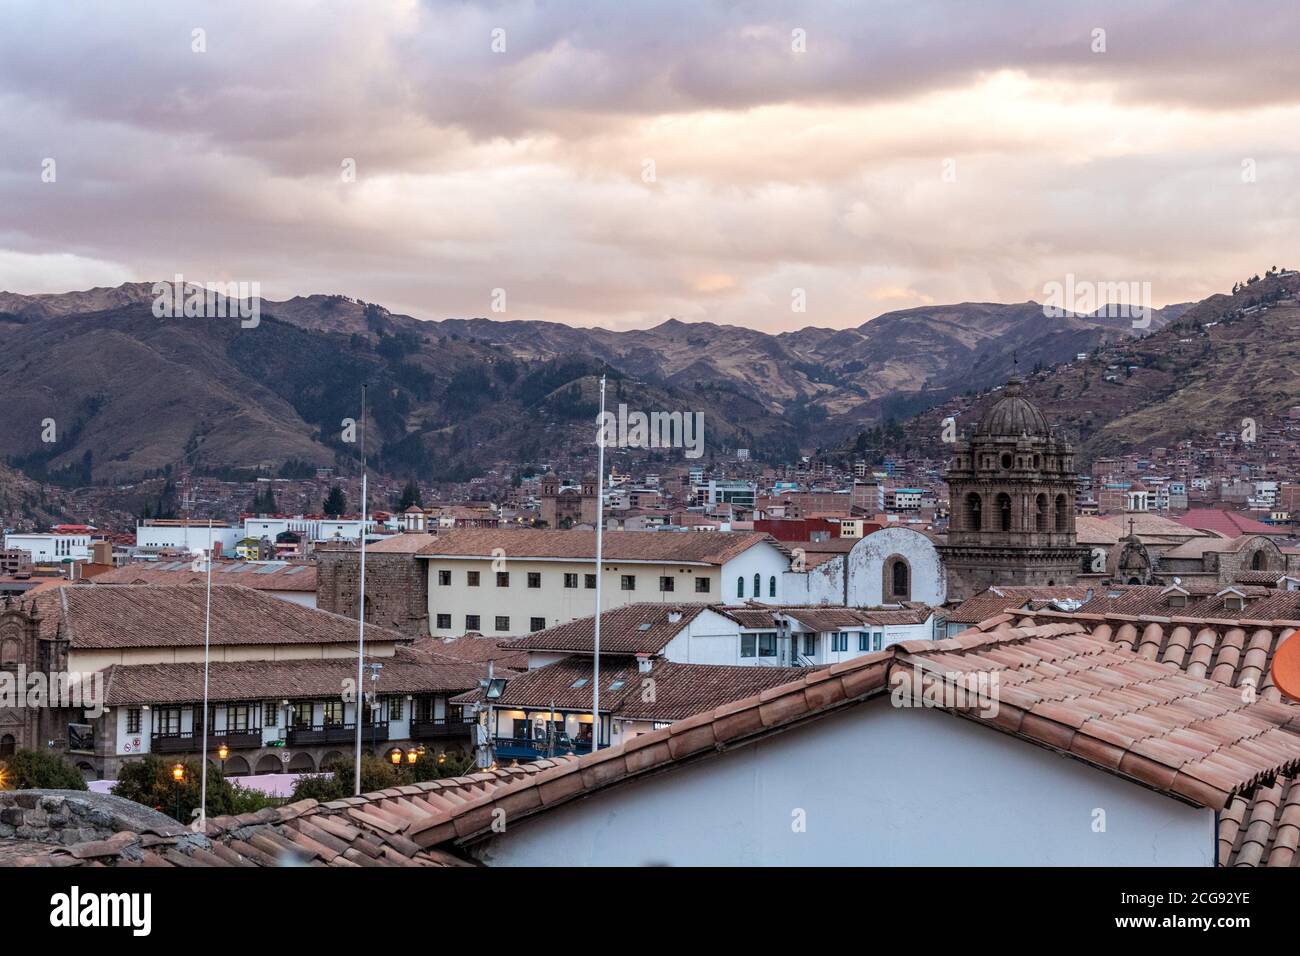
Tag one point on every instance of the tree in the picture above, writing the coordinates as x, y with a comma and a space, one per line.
410, 496
39, 769
264, 504
149, 781
336, 503
379, 773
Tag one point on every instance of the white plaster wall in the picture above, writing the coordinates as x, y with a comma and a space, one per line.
877, 786
763, 559
823, 584
866, 564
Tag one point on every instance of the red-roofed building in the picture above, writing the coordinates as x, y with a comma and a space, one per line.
1230, 523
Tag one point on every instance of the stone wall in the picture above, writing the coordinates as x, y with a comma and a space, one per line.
65, 817
397, 594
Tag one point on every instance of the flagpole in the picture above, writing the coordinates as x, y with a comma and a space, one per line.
207, 641
600, 541
361, 610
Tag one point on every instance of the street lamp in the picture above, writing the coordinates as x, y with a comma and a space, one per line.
411, 756
222, 753
178, 777
396, 758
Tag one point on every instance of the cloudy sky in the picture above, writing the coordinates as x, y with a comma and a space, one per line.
617, 163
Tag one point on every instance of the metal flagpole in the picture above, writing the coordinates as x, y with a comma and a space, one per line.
600, 541
207, 641
361, 611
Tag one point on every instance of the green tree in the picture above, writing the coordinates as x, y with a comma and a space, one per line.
336, 502
410, 496
39, 769
150, 781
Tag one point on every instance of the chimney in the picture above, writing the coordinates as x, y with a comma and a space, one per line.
643, 663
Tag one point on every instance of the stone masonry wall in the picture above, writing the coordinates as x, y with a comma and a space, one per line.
396, 590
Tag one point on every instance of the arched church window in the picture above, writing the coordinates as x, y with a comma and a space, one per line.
974, 506
900, 585
1062, 516
1004, 512
1040, 513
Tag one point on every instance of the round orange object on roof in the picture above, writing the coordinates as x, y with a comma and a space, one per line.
1286, 667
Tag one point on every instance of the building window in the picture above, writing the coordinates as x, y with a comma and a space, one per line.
701, 585
534, 579
771, 586
1004, 512
302, 713
666, 583
749, 645
810, 645
974, 512
471, 622
740, 586
758, 586
1062, 516
168, 721
864, 641
237, 718
839, 641
570, 579
395, 708
537, 624
443, 621
471, 578
1040, 513
503, 579
627, 582
589, 582
767, 645
502, 623
876, 641
900, 585
133, 720
444, 578
332, 712
270, 714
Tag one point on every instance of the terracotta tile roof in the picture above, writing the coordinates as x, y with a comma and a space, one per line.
363, 831
680, 690
631, 629
161, 615
1234, 652
407, 672
404, 543
694, 547
997, 599
1230, 523
1264, 829
474, 648
824, 617
1061, 688
1202, 600
259, 577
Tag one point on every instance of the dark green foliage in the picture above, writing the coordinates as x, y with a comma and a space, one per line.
39, 769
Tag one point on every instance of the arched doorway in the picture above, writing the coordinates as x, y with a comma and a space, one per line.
237, 767
302, 763
8, 745
269, 763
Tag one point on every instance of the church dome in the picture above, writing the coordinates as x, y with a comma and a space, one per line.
1014, 416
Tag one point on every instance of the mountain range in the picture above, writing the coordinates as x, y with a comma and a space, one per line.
130, 395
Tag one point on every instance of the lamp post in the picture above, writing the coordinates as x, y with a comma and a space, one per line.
222, 753
600, 540
178, 777
361, 610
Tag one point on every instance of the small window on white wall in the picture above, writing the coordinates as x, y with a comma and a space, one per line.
876, 639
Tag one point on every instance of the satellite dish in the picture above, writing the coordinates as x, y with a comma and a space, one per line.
1286, 667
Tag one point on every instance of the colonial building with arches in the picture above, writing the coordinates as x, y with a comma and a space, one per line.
1011, 489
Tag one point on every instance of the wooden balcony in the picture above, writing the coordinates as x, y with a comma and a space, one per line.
190, 742
439, 729
308, 736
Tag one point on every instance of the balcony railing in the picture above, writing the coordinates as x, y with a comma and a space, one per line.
191, 742
524, 748
427, 729
305, 736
